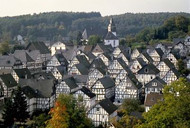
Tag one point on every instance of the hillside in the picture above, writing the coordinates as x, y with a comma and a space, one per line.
54, 25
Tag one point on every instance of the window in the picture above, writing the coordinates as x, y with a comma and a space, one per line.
98, 109
154, 84
146, 70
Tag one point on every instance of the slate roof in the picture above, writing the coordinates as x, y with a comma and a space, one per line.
98, 63
81, 78
175, 72
168, 63
30, 92
153, 98
87, 91
82, 59
43, 75
160, 83
82, 69
146, 55
141, 61
33, 54
38, 46
21, 73
61, 59
159, 51
177, 40
108, 106
9, 61
8, 80
133, 79
23, 56
149, 69
45, 88
111, 36
61, 70
107, 82
71, 82
105, 48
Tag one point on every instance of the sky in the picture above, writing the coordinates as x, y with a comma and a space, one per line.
105, 7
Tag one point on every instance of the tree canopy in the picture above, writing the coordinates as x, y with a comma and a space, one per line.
68, 113
174, 110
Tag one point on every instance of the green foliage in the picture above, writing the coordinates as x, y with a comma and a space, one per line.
8, 113
127, 121
39, 121
176, 34
4, 48
77, 117
182, 67
131, 105
173, 111
20, 105
54, 25
174, 27
94, 39
145, 35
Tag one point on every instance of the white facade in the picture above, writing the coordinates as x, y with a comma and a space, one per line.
58, 46
113, 43
99, 116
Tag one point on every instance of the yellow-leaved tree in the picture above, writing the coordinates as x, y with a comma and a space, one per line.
59, 116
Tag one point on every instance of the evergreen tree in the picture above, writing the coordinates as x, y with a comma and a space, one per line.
8, 113
20, 106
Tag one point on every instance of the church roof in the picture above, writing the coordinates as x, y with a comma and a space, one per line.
111, 36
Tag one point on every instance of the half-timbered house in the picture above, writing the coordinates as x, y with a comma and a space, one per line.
102, 112
156, 85
104, 88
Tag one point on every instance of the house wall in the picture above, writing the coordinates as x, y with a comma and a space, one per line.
114, 43
98, 115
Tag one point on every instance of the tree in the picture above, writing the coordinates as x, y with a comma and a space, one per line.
182, 23
173, 111
59, 116
127, 120
4, 48
182, 68
76, 114
20, 106
94, 39
8, 113
39, 119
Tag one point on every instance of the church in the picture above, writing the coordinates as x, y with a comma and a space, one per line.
111, 37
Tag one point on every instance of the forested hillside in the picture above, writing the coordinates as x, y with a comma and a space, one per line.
55, 25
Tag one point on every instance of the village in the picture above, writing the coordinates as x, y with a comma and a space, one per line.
104, 74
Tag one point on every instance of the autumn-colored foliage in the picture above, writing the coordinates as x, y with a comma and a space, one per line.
59, 116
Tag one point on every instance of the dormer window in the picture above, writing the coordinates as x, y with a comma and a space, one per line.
146, 70
154, 84
8, 61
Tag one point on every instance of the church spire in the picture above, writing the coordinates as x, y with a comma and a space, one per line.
112, 27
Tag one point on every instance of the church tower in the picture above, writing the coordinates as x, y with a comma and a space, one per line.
112, 27
111, 37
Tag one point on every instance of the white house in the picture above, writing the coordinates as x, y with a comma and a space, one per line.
57, 47
128, 88
8, 84
67, 86
156, 85
102, 112
88, 98
104, 88
147, 73
164, 66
